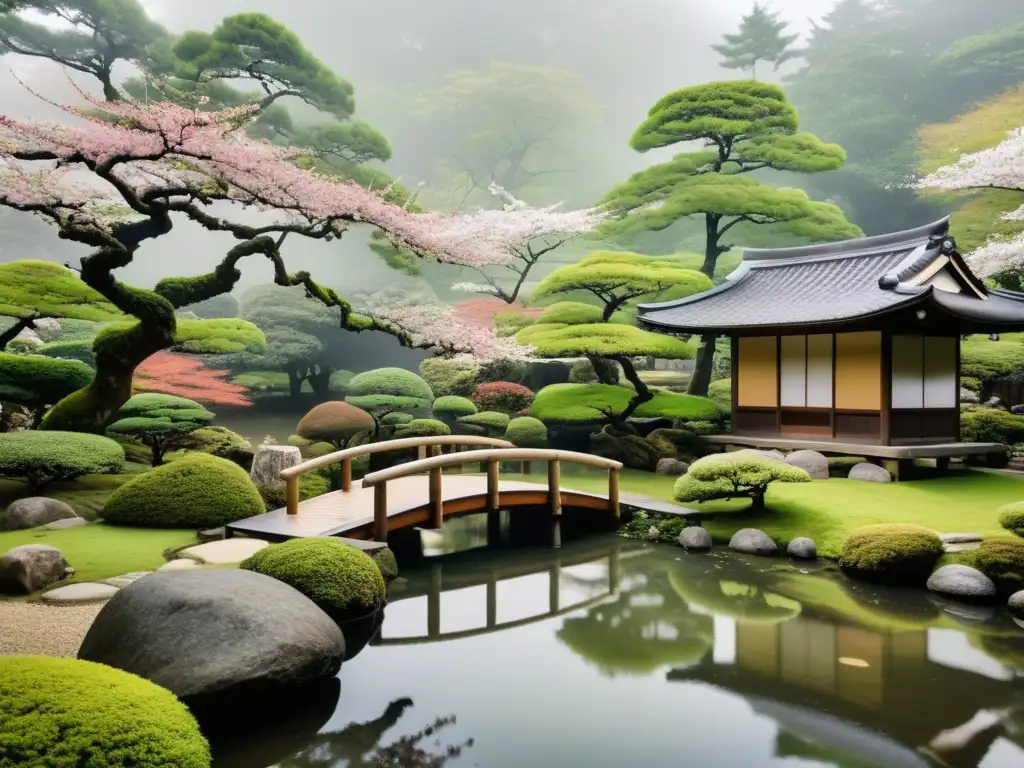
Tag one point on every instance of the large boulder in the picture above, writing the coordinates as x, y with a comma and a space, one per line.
962, 582
633, 451
802, 549
752, 541
870, 473
969, 396
34, 511
673, 467
813, 463
216, 635
695, 539
30, 567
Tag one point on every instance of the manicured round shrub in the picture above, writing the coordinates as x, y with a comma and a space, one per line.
570, 313
1002, 560
222, 442
344, 581
734, 475
64, 713
423, 428
492, 422
36, 380
1011, 517
891, 552
389, 389
453, 406
39, 457
159, 421
197, 491
527, 432
502, 396
335, 423
991, 425
450, 377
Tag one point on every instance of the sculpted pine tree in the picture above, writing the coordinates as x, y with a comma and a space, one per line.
761, 37
745, 126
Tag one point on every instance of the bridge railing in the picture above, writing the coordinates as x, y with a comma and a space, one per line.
425, 445
491, 458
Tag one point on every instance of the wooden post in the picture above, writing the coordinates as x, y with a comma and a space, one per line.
291, 491
436, 500
421, 452
346, 475
555, 488
613, 492
493, 497
380, 512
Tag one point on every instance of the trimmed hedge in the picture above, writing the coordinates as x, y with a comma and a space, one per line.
502, 396
36, 380
197, 491
335, 422
66, 713
891, 552
983, 359
527, 432
1002, 560
389, 389
344, 581
396, 419
386, 563
491, 421
423, 428
585, 403
72, 349
454, 406
991, 425
1011, 517
41, 457
570, 313
721, 392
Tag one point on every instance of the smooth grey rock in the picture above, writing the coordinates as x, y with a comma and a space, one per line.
30, 567
214, 534
215, 632
952, 549
969, 396
802, 549
870, 473
86, 592
225, 552
695, 539
1016, 604
961, 538
961, 582
994, 402
752, 541
34, 511
671, 467
813, 463
63, 525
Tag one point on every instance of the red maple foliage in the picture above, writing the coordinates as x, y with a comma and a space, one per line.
481, 312
185, 376
502, 396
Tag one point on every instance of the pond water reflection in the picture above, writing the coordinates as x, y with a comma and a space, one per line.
613, 653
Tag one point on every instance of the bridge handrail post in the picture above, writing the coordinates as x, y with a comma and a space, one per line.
493, 497
291, 493
436, 499
555, 487
346, 475
380, 512
613, 492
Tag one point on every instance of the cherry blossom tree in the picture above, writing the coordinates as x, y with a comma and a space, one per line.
1000, 167
123, 172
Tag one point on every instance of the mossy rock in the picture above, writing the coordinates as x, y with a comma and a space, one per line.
899, 553
41, 457
386, 562
1011, 517
65, 713
633, 451
1002, 560
344, 581
197, 491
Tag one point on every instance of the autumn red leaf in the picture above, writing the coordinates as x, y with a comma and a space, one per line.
185, 376
481, 312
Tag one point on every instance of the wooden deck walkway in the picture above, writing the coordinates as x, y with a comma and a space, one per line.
349, 514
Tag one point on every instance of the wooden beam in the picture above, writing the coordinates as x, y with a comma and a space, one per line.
380, 512
291, 492
436, 499
346, 475
493, 497
613, 493
555, 487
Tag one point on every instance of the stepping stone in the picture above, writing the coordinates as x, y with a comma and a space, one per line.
126, 579
86, 592
71, 522
962, 538
226, 552
181, 564
951, 549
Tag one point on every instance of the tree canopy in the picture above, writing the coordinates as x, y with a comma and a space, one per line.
159, 421
760, 37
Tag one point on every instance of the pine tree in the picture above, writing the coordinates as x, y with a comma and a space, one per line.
761, 37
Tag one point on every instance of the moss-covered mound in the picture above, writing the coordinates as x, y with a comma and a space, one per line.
197, 491
344, 581
65, 713
991, 425
527, 432
36, 380
422, 428
453, 406
334, 422
222, 442
492, 422
42, 457
1002, 560
386, 562
392, 389
450, 377
891, 552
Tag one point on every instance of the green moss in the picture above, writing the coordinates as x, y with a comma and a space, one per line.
396, 419
891, 552
197, 491
450, 377
423, 428
65, 713
489, 420
218, 337
453, 405
222, 442
36, 380
991, 425
586, 403
605, 339
971, 383
721, 392
1002, 560
734, 475
341, 579
389, 389
43, 457
509, 323
1011, 517
386, 562
75, 349
527, 432
29, 286
983, 359
570, 313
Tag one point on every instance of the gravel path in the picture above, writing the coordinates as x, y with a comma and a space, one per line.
30, 628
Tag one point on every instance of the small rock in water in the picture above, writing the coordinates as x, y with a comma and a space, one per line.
752, 541
1016, 604
962, 582
695, 539
802, 549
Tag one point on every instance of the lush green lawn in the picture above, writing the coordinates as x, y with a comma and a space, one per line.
97, 551
86, 495
827, 510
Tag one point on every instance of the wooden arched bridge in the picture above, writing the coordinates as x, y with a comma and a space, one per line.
418, 493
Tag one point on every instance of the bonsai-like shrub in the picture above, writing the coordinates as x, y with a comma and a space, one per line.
734, 475
37, 381
389, 389
492, 422
386, 562
891, 552
344, 581
423, 428
527, 432
335, 423
197, 491
1011, 517
396, 419
450, 377
222, 442
159, 421
451, 407
311, 485
588, 403
1002, 560
502, 396
991, 425
66, 712
39, 458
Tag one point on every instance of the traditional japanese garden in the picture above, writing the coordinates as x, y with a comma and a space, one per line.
638, 385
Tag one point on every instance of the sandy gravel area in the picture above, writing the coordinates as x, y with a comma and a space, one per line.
32, 628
